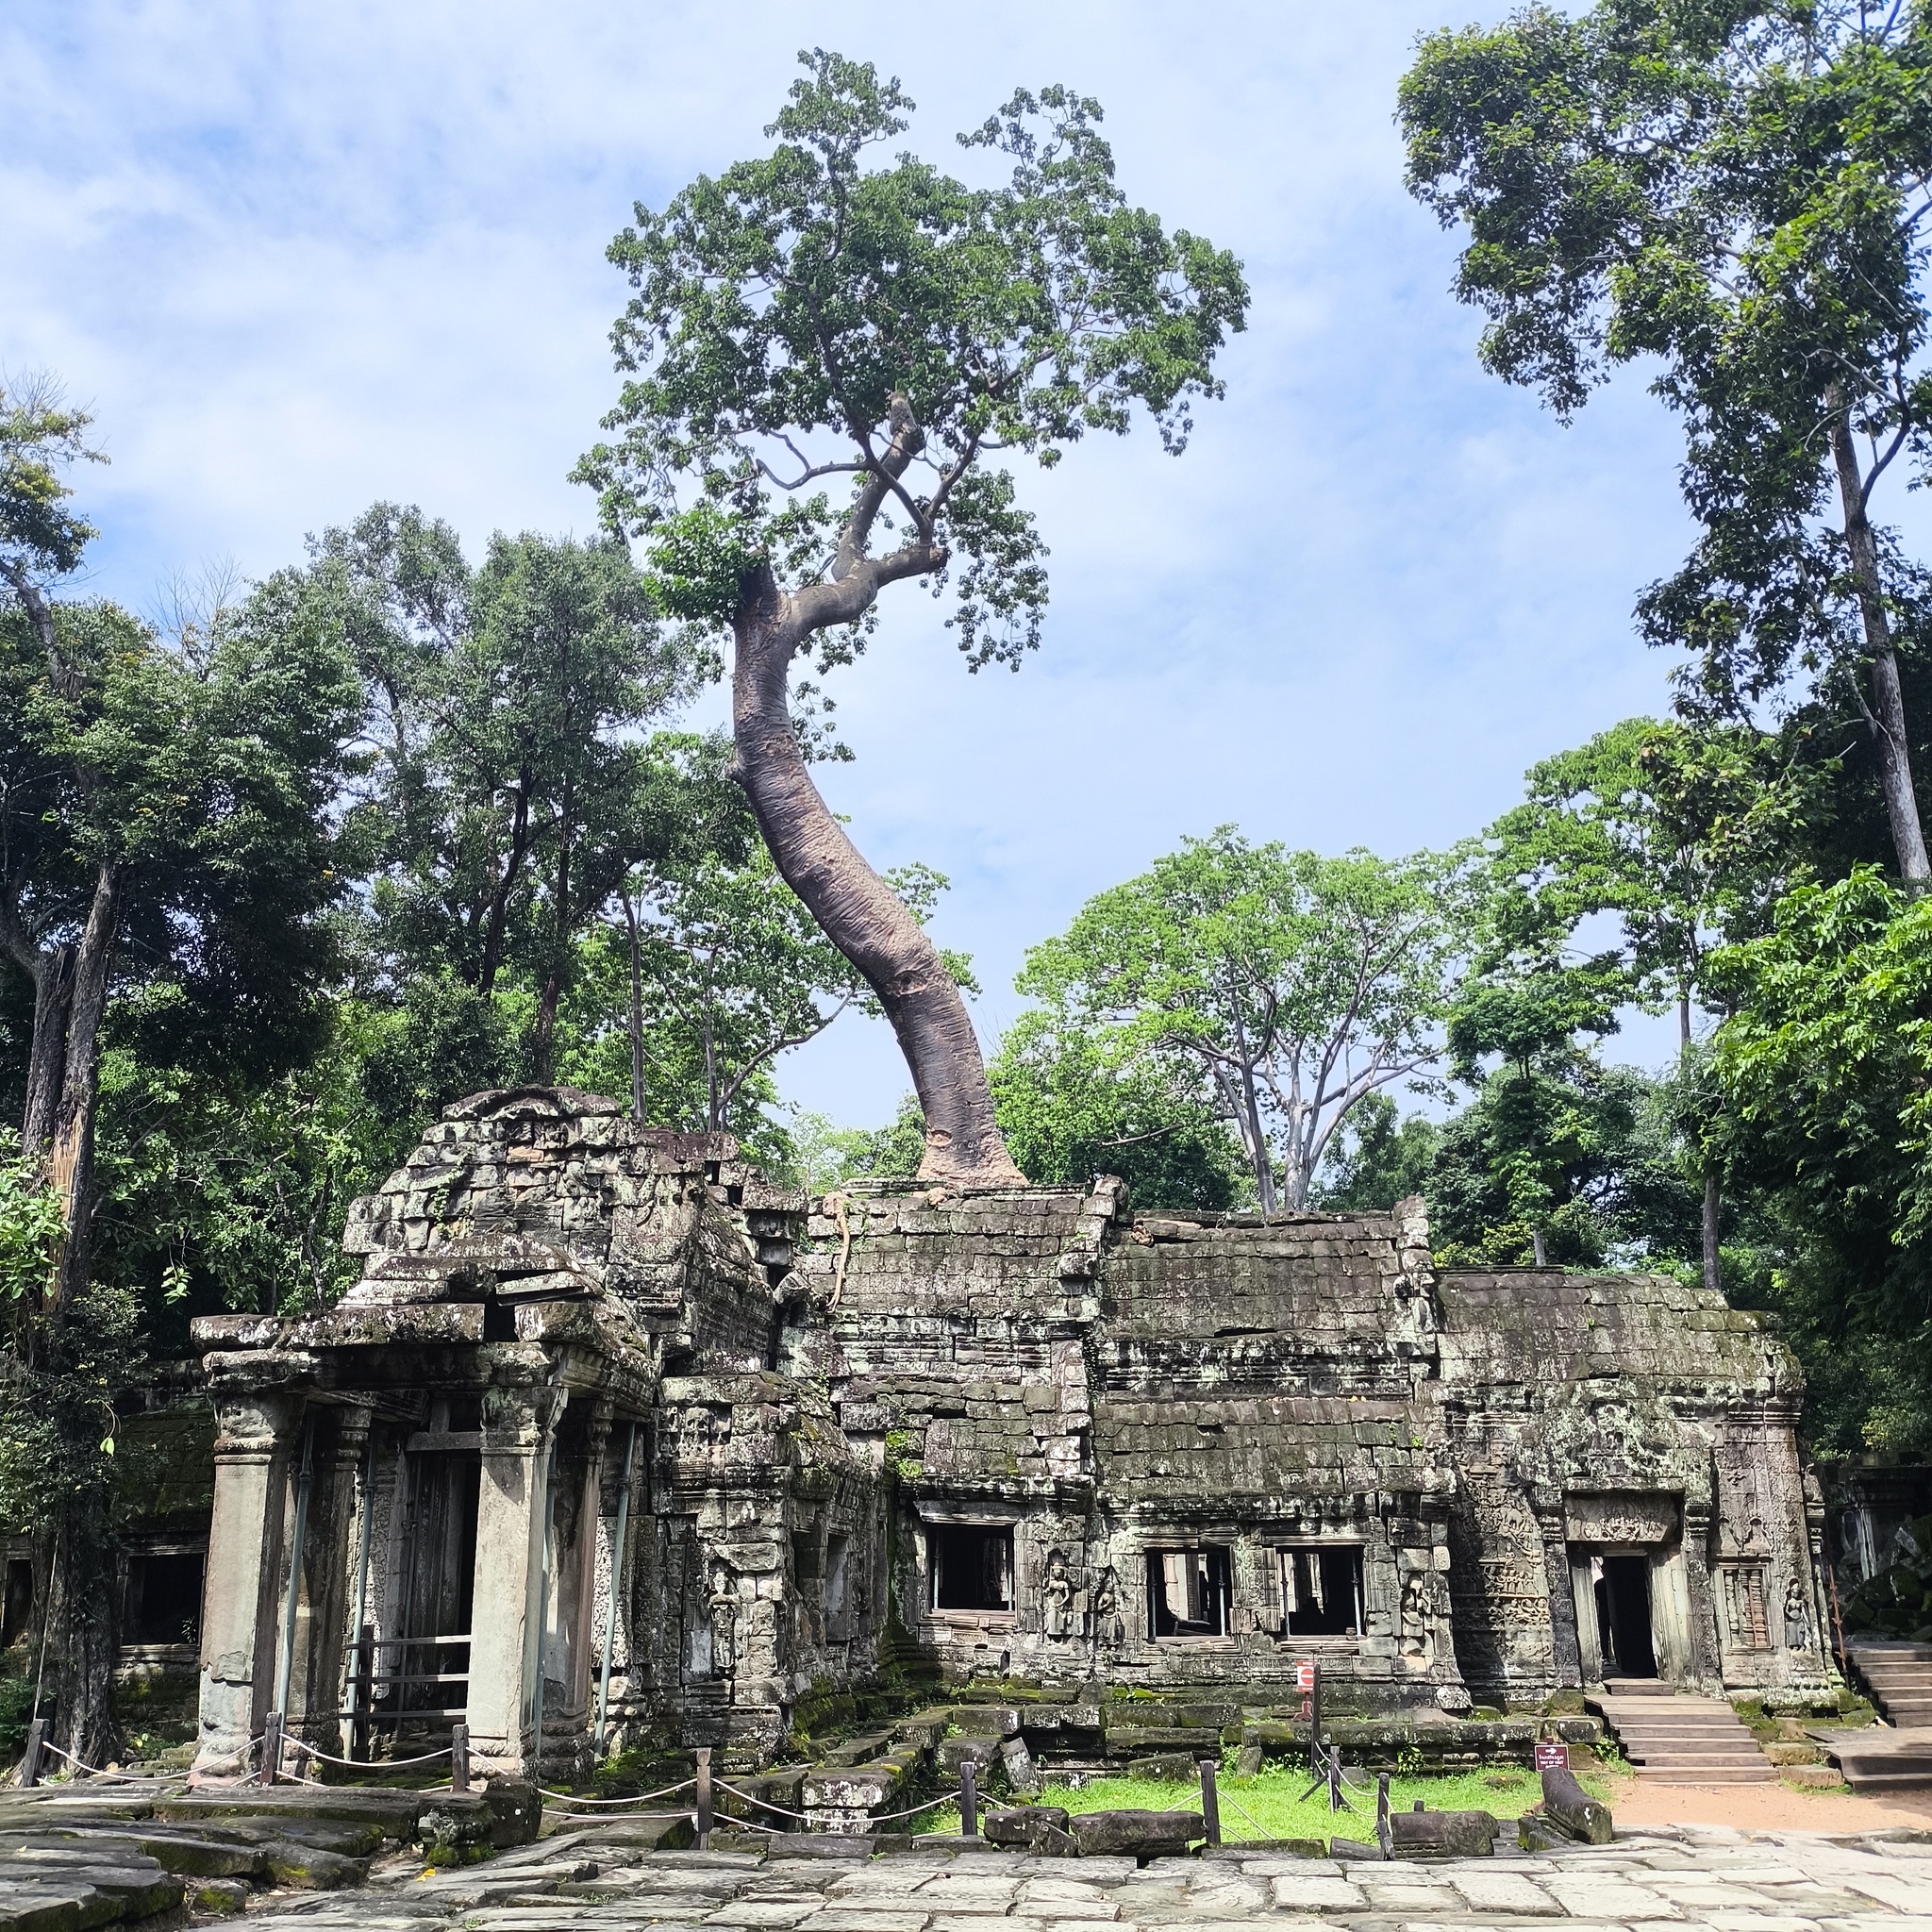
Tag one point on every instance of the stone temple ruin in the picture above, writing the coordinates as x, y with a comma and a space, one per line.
614, 1442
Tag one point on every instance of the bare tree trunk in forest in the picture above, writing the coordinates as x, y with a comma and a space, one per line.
636, 1013
553, 983
1885, 716
859, 913
1713, 1273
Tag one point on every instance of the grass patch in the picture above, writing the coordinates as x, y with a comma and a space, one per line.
1275, 1805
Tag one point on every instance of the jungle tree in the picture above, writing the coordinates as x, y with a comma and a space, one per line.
1738, 192
825, 362
1285, 986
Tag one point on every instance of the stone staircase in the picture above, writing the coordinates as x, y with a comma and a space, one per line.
1898, 1676
1674, 1738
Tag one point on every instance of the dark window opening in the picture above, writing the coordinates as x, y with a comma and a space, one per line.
19, 1607
972, 1566
1321, 1592
1187, 1592
465, 1414
804, 1556
1622, 1618
163, 1598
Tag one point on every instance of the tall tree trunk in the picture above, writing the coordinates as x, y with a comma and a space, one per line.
53, 977
1713, 1274
71, 1146
859, 914
1886, 714
560, 958
636, 1013
494, 927
1713, 1269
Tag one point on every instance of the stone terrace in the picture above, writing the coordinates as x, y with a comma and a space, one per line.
1696, 1880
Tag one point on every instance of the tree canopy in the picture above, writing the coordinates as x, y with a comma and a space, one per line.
822, 357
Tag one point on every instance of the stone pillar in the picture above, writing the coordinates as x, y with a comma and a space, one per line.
247, 1554
1703, 1666
518, 1429
1566, 1655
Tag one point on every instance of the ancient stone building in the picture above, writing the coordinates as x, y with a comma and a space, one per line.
614, 1438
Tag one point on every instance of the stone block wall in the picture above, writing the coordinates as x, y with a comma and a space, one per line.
724, 1451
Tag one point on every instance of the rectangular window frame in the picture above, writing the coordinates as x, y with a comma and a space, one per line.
998, 1532
1292, 1583
1211, 1588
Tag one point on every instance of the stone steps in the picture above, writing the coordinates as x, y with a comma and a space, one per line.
1679, 1740
1898, 1676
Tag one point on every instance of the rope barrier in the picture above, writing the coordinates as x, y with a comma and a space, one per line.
763, 1803
123, 1777
371, 1763
805, 1817
932, 1805
1227, 1798
640, 1798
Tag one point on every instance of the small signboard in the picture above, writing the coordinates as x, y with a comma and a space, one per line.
1552, 1757
1305, 1675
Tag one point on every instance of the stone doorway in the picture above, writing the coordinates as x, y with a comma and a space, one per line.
1622, 1589
1630, 1587
423, 1665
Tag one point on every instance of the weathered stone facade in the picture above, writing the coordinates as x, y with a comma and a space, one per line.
605, 1401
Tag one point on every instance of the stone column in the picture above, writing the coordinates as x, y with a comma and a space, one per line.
247, 1554
1704, 1665
1566, 1656
518, 1429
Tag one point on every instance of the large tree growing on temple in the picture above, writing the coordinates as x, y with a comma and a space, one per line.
825, 363
1737, 195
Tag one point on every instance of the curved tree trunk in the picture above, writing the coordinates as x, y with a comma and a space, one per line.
1885, 716
859, 914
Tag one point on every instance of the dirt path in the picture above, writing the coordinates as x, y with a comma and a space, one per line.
1765, 1807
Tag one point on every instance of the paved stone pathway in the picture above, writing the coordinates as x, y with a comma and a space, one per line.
1688, 1880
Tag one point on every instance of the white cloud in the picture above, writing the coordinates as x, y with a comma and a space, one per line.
303, 257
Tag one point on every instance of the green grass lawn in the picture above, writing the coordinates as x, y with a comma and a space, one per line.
1270, 1805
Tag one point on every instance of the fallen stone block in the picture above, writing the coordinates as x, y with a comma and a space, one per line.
1021, 1824
217, 1895
1574, 1811
1141, 1834
306, 1868
1441, 1834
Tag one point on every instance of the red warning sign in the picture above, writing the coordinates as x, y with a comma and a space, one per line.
1552, 1757
1305, 1675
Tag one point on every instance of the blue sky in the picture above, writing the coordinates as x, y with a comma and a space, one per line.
300, 257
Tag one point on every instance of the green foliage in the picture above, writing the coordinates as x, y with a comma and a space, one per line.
40, 436
1276, 987
57, 1411
783, 305
30, 1223
1819, 1079
1376, 1158
1734, 196
1068, 1113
